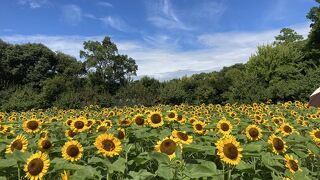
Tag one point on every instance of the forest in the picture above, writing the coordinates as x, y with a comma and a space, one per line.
33, 76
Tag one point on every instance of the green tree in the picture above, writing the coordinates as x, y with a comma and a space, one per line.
106, 65
288, 35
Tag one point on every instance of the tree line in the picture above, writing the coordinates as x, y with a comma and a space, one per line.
33, 76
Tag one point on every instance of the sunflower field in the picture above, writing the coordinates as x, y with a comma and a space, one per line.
232, 141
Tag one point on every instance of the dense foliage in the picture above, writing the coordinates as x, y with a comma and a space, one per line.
33, 76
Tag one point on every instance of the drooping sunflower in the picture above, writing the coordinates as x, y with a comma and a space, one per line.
224, 126
79, 124
121, 133
102, 128
72, 151
108, 145
139, 120
124, 122
44, 134
167, 146
44, 144
3, 129
181, 119
155, 119
37, 166
70, 134
286, 129
315, 135
229, 150
182, 137
198, 127
291, 164
19, 143
253, 132
172, 115
32, 125
278, 145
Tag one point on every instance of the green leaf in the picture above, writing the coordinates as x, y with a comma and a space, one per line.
253, 147
19, 156
119, 165
61, 164
205, 169
86, 172
210, 150
165, 171
271, 160
243, 165
7, 162
313, 148
160, 157
3, 178
141, 175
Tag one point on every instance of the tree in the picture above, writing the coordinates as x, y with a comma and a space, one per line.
107, 65
287, 35
314, 35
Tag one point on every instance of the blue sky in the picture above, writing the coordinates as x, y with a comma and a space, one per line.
167, 38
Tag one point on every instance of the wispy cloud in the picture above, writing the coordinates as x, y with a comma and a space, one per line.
166, 62
161, 14
115, 22
105, 4
33, 3
72, 14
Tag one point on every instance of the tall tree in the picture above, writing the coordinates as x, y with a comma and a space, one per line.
287, 35
107, 65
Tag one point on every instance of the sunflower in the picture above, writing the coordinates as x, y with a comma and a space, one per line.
121, 133
102, 128
198, 127
108, 145
19, 143
124, 122
139, 120
286, 129
181, 119
182, 137
315, 135
44, 134
3, 129
70, 134
172, 115
155, 119
224, 126
72, 151
229, 150
32, 125
37, 166
79, 124
278, 145
291, 164
44, 144
253, 132
167, 146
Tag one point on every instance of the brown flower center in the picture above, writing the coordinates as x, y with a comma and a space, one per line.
293, 165
230, 151
139, 120
253, 132
179, 117
35, 166
108, 145
156, 118
171, 115
79, 124
46, 144
69, 122
17, 144
73, 150
33, 125
317, 134
71, 133
199, 127
224, 127
182, 136
102, 129
121, 134
1, 128
287, 129
168, 146
278, 144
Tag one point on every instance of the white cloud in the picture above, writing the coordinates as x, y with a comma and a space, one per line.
161, 14
166, 62
33, 3
72, 14
115, 22
105, 4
